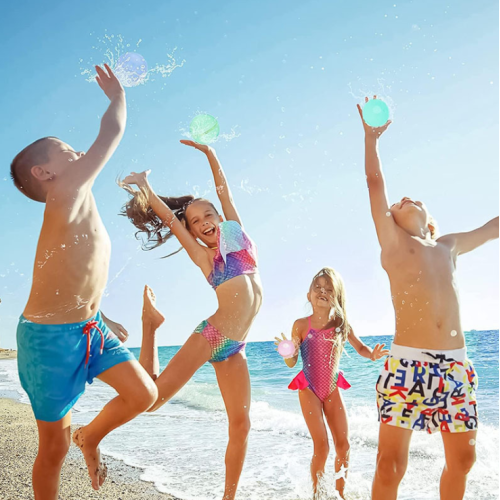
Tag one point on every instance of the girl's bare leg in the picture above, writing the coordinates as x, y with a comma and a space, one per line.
151, 321
234, 384
191, 356
312, 409
336, 416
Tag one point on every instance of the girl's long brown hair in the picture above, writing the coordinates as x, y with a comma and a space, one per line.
338, 301
143, 217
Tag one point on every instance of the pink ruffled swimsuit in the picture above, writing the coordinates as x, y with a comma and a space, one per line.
321, 351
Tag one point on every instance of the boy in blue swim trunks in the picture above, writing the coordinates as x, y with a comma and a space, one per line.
63, 341
428, 384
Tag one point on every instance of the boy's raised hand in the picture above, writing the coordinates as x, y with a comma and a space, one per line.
372, 131
108, 82
204, 148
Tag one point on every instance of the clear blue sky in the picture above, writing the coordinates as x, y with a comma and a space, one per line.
289, 75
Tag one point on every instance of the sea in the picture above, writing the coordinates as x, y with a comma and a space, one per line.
181, 447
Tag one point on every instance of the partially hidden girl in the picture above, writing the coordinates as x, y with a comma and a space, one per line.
228, 258
320, 339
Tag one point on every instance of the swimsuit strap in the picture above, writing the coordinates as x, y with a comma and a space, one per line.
309, 323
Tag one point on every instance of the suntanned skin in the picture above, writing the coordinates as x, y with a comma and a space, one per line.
239, 300
70, 273
424, 291
315, 411
421, 270
73, 252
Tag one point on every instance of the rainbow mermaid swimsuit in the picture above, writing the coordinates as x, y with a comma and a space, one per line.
320, 351
236, 255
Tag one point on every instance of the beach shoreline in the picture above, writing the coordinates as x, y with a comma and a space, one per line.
8, 354
18, 448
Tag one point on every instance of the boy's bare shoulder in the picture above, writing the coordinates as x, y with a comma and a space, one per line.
65, 198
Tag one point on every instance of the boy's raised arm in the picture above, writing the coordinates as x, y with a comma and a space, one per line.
470, 240
384, 224
221, 185
111, 131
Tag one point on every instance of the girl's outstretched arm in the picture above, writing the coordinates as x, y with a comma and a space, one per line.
384, 224
221, 185
193, 248
363, 350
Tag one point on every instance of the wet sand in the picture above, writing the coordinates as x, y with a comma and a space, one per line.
18, 447
7, 354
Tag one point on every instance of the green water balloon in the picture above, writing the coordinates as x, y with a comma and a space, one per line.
204, 129
376, 113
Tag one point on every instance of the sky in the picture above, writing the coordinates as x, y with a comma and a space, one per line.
283, 80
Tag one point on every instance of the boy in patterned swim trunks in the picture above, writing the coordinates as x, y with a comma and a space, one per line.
63, 340
427, 382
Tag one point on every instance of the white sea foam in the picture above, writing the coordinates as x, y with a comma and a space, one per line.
181, 447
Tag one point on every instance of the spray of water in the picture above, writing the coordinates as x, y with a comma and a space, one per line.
109, 48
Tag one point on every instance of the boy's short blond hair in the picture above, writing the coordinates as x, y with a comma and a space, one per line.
433, 228
20, 169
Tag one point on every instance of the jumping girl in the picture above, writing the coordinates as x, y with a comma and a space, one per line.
320, 339
228, 259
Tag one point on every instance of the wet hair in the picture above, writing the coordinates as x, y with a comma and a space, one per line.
338, 301
37, 153
144, 218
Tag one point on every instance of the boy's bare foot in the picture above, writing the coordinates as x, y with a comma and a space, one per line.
149, 311
97, 469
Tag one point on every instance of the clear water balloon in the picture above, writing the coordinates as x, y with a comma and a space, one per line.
204, 129
376, 113
131, 69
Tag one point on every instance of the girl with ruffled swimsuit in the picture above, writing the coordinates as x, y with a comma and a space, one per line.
228, 258
320, 339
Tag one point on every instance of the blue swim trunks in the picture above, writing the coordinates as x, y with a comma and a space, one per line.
55, 361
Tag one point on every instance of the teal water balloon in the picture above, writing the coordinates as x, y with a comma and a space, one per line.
204, 129
131, 69
375, 113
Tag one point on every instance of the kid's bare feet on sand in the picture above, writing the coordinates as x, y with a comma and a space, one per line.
97, 469
149, 312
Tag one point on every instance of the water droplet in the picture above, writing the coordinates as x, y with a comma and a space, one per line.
388, 214
337, 329
453, 333
472, 442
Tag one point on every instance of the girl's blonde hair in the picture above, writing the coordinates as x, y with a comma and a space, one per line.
338, 301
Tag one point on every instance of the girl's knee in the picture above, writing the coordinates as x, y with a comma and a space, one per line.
321, 449
342, 447
391, 469
239, 427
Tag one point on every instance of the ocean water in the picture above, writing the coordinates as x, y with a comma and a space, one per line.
181, 447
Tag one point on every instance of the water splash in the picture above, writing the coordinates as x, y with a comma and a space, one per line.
110, 48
